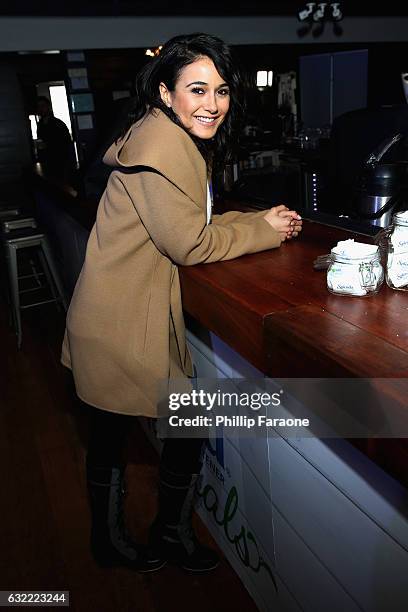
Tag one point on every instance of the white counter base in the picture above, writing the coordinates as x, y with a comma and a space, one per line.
330, 526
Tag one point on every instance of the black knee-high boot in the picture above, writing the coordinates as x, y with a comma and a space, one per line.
111, 544
171, 535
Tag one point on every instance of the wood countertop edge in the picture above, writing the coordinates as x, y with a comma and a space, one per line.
369, 356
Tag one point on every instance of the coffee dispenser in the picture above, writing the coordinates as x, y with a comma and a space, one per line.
381, 189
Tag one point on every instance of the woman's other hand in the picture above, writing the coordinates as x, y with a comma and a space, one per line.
286, 222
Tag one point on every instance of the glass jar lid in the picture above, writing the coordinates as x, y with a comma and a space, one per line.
342, 258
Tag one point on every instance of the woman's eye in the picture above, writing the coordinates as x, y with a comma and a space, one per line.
197, 90
224, 92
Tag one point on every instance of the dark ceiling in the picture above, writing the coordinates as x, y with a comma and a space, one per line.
183, 7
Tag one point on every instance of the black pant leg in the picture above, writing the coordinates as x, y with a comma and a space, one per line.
182, 455
108, 432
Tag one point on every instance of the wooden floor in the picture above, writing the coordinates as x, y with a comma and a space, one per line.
45, 520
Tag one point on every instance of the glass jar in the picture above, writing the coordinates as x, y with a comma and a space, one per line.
355, 276
393, 242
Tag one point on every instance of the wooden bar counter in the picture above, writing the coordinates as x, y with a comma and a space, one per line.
277, 297
274, 309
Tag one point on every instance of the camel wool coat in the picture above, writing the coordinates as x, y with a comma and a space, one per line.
125, 330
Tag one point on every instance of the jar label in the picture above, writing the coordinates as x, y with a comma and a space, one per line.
397, 269
345, 279
354, 279
399, 239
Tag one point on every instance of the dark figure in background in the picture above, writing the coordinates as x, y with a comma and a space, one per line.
55, 152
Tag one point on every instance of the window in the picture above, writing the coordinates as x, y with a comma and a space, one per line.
59, 103
33, 124
264, 78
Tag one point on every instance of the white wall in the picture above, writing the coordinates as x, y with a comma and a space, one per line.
40, 33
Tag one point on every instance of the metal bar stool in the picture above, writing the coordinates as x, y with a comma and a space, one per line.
14, 241
18, 222
9, 212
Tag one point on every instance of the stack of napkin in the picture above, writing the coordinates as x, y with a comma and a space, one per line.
354, 250
397, 263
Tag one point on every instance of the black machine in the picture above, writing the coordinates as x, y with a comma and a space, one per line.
367, 164
382, 188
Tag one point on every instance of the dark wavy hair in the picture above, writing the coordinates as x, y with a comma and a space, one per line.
166, 67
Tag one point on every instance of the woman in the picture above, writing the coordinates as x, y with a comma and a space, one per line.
125, 328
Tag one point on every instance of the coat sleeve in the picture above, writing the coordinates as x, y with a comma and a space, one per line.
177, 225
235, 215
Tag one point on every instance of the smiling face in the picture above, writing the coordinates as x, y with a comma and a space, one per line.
201, 98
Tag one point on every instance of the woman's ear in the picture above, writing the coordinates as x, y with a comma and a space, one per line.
165, 94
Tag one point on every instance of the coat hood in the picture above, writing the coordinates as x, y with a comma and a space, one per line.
158, 143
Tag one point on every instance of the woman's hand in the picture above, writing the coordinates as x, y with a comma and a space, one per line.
286, 222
